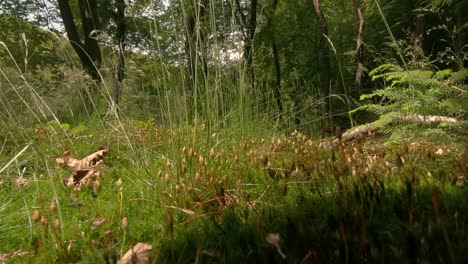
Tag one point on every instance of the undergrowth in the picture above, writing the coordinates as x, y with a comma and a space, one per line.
216, 196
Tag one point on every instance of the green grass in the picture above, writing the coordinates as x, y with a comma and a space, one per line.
214, 196
207, 178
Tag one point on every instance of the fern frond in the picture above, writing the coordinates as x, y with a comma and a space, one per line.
385, 67
416, 93
380, 92
373, 108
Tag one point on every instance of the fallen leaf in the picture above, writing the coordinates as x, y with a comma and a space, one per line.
79, 178
90, 161
138, 254
83, 170
83, 175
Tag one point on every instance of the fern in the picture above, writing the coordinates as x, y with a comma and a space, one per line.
416, 92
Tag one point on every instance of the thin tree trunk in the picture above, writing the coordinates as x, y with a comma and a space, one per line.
277, 91
119, 18
461, 17
274, 47
419, 25
192, 44
88, 51
243, 20
359, 54
190, 53
324, 50
248, 55
90, 23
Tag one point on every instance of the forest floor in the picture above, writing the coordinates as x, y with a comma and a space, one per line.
190, 195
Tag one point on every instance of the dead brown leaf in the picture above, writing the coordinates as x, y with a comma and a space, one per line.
90, 161
84, 169
138, 254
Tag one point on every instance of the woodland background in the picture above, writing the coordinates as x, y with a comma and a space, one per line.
233, 131
297, 64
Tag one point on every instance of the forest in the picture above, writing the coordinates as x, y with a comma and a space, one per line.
233, 131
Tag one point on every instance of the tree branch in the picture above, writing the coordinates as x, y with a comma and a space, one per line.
369, 129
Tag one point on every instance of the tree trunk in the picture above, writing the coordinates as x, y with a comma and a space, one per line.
248, 33
119, 18
242, 21
277, 91
190, 53
192, 44
419, 25
88, 51
274, 48
248, 55
359, 55
324, 50
462, 32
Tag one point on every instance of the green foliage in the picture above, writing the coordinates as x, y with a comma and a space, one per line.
207, 178
27, 44
422, 93
193, 203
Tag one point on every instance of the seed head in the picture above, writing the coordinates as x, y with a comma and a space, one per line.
124, 223
212, 153
119, 182
35, 215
